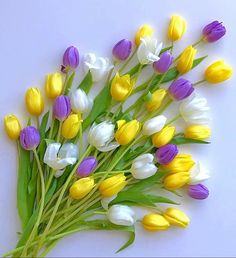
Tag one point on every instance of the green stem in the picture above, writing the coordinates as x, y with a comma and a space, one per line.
197, 42
80, 140
49, 248
59, 132
128, 60
199, 82
174, 119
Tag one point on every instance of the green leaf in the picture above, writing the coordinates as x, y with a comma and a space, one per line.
69, 83
165, 49
183, 140
160, 199
86, 83
51, 191
43, 125
147, 97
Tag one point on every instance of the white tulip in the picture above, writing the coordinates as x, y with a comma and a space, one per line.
195, 110
106, 200
198, 173
149, 50
154, 125
101, 135
143, 167
121, 215
98, 66
81, 102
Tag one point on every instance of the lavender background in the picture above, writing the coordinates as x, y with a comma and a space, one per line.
34, 35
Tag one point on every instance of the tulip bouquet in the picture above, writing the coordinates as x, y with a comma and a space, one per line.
85, 163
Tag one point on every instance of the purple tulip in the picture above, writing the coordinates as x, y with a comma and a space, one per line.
29, 138
164, 63
198, 191
87, 166
166, 153
180, 89
213, 31
122, 49
71, 57
62, 107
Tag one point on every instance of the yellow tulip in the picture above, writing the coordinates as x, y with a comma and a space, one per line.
176, 217
71, 126
177, 180
34, 101
121, 87
176, 28
181, 163
155, 222
156, 100
217, 72
12, 126
81, 188
54, 85
164, 136
144, 31
185, 62
113, 185
197, 132
127, 131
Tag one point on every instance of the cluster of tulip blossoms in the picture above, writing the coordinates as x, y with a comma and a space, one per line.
87, 162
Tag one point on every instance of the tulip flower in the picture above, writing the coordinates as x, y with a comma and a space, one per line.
71, 126
81, 102
155, 222
121, 215
164, 136
198, 173
113, 185
107, 200
154, 125
218, 72
12, 126
122, 49
197, 132
156, 100
101, 135
62, 107
143, 167
54, 85
185, 62
29, 138
176, 217
81, 188
98, 66
143, 32
148, 51
121, 87
127, 131
199, 191
176, 28
176, 181
163, 64
34, 101
71, 57
180, 89
195, 110
87, 166
166, 153
213, 31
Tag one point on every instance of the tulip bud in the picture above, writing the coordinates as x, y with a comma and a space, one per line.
180, 89
144, 31
218, 72
185, 62
213, 31
176, 28
54, 85
71, 126
87, 166
121, 87
199, 191
122, 49
29, 138
154, 125
156, 100
164, 136
197, 132
198, 173
81, 102
166, 153
34, 101
155, 222
121, 215
176, 181
113, 185
12, 126
143, 167
176, 217
81, 188
127, 131
61, 107
71, 57
164, 63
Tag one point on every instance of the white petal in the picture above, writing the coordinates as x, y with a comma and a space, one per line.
154, 125
198, 173
144, 158
68, 150
109, 147
144, 172
50, 156
121, 215
106, 200
59, 173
